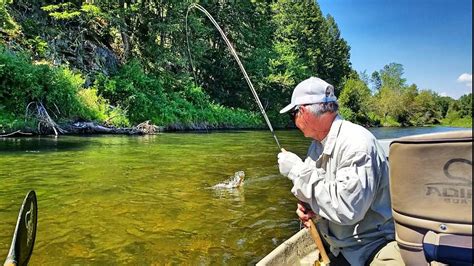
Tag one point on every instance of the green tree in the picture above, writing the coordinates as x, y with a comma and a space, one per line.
307, 43
246, 24
336, 64
355, 101
443, 103
426, 110
465, 105
376, 81
392, 76
393, 99
7, 24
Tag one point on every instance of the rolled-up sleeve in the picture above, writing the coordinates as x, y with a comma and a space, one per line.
343, 200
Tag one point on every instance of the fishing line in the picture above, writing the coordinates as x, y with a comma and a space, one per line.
234, 53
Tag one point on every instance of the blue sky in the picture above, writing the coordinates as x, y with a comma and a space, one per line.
432, 39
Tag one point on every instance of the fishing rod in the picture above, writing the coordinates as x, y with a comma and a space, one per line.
324, 259
234, 53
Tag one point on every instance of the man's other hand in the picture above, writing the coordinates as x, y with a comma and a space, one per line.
304, 214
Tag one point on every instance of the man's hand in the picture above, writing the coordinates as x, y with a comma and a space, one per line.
304, 214
286, 161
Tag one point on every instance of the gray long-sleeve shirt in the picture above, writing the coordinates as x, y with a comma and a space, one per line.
346, 183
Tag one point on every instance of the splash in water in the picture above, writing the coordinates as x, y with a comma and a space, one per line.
235, 181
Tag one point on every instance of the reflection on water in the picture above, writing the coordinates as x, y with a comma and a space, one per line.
146, 200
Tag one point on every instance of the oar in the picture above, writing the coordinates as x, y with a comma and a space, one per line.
25, 232
319, 243
324, 259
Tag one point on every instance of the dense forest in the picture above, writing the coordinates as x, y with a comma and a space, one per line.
120, 63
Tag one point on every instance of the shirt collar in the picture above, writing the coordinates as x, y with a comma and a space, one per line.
330, 139
323, 142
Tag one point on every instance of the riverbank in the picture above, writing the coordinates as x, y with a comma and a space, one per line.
92, 128
53, 97
18, 129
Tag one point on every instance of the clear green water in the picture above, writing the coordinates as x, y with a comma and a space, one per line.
108, 200
146, 200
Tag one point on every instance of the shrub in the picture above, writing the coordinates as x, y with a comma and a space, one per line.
183, 105
454, 118
95, 107
142, 96
58, 88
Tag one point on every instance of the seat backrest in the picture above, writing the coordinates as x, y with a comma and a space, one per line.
431, 192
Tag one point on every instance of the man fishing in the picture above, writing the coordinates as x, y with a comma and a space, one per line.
343, 180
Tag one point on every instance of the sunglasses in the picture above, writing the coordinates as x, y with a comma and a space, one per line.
293, 113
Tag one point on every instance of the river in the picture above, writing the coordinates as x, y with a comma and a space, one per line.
143, 200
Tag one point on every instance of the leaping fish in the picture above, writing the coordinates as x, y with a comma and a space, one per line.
233, 182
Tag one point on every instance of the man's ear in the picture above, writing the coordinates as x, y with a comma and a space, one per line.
303, 109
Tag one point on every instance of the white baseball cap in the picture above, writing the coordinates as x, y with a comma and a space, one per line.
312, 90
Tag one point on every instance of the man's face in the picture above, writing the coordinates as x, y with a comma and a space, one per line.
300, 119
312, 126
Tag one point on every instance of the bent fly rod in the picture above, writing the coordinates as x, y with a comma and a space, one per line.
324, 259
234, 53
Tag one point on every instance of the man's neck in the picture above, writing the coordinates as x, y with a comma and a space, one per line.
326, 123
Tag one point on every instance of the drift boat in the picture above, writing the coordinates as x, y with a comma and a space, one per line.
431, 195
299, 249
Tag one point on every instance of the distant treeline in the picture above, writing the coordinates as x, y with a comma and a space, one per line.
123, 62
392, 102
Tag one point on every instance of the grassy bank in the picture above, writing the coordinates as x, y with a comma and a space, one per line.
125, 99
458, 122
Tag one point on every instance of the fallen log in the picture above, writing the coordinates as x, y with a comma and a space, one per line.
93, 128
16, 134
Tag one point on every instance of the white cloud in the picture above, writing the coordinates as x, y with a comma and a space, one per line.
443, 94
466, 78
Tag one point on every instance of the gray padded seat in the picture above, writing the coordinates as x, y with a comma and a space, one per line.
431, 193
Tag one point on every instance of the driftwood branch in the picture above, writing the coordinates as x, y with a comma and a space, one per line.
18, 132
40, 113
37, 111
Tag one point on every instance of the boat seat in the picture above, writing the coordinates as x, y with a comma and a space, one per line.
431, 197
